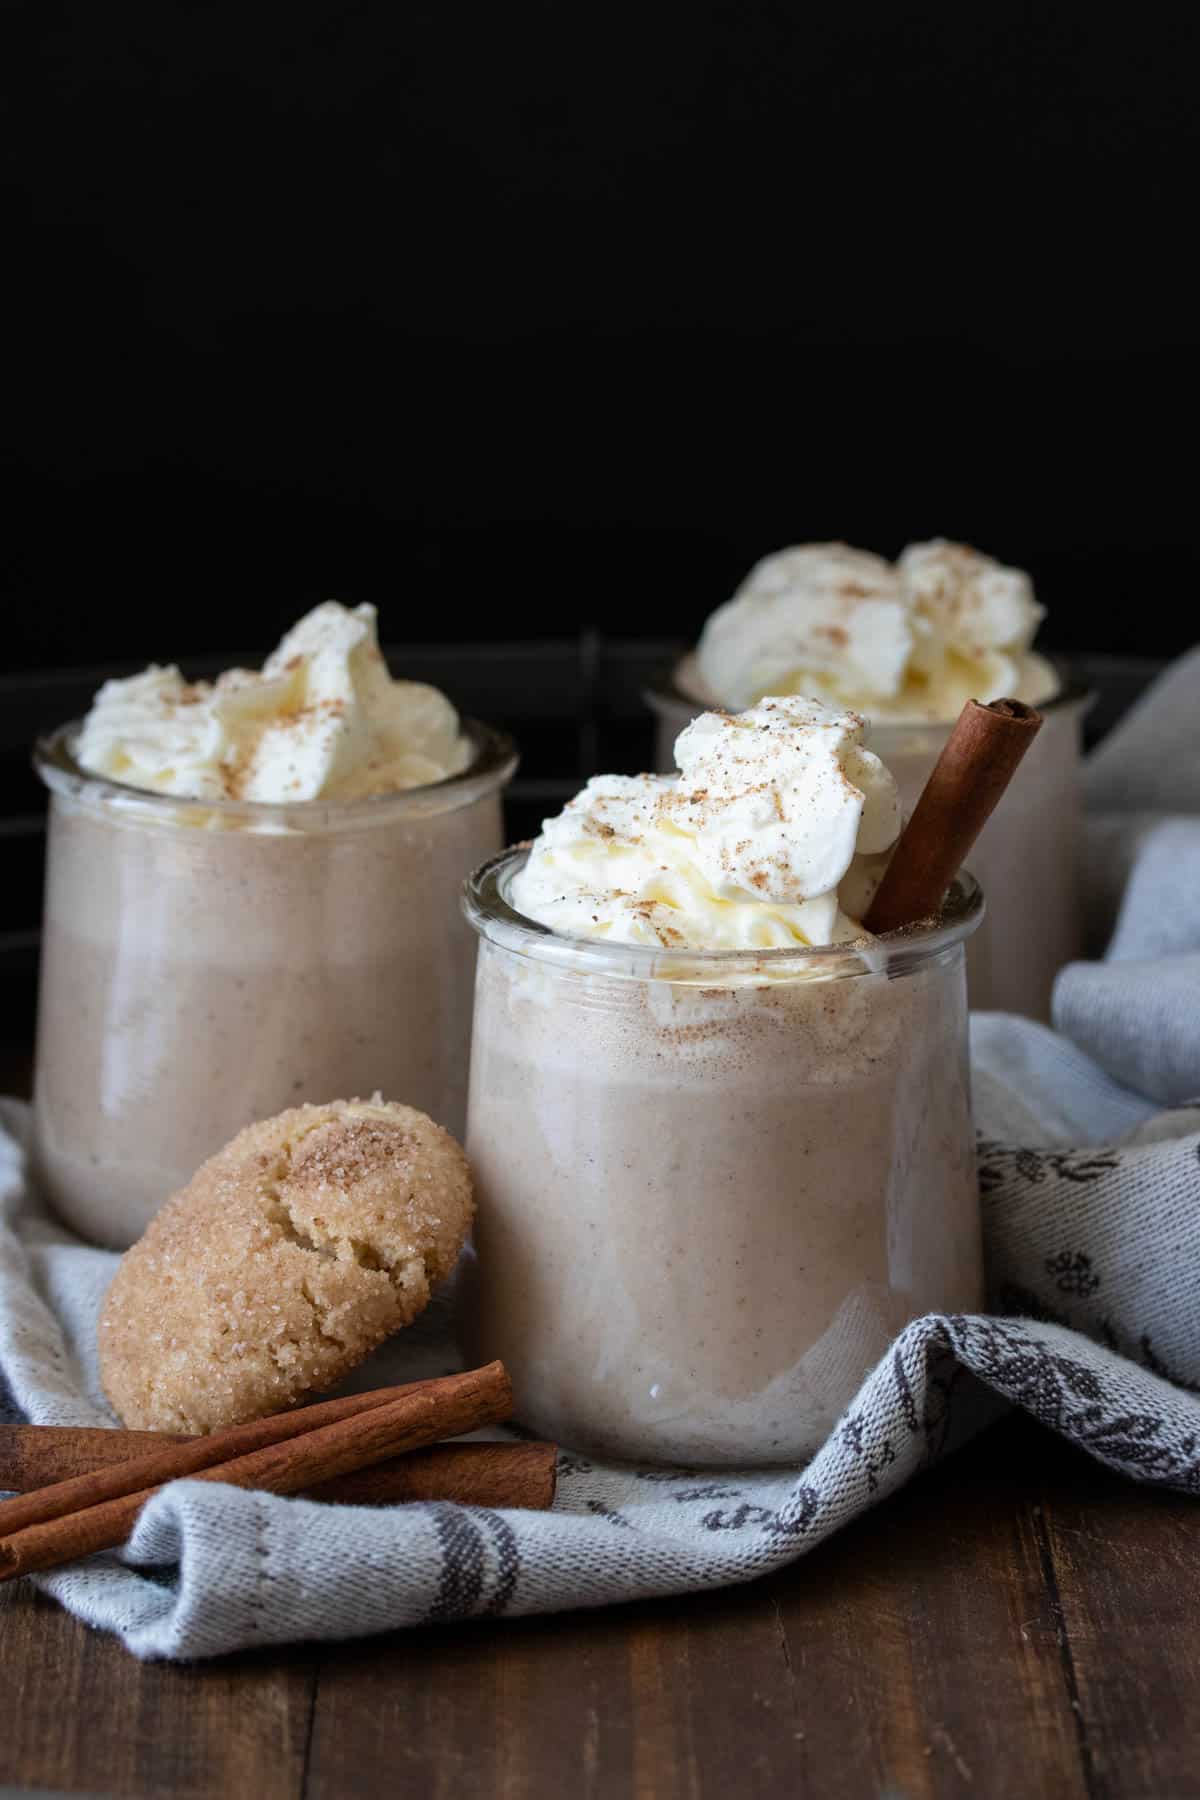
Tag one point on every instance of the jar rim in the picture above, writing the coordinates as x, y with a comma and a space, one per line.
495, 759
1073, 691
489, 911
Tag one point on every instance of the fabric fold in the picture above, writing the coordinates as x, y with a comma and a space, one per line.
1138, 1021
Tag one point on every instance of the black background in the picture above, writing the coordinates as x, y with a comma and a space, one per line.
517, 320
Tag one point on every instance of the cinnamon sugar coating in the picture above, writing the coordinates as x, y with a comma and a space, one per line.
289, 1256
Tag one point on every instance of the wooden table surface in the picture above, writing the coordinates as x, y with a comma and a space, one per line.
1017, 1623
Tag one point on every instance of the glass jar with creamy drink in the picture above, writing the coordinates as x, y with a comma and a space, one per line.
721, 1136
250, 902
908, 644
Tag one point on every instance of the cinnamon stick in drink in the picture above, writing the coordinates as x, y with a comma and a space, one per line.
487, 1474
978, 761
412, 1418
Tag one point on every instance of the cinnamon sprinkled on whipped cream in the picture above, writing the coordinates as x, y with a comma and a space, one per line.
775, 833
909, 641
323, 719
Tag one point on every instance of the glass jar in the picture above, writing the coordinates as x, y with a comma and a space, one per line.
1027, 857
208, 963
712, 1186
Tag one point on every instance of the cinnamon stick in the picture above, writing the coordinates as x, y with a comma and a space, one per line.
977, 763
182, 1458
496, 1475
413, 1417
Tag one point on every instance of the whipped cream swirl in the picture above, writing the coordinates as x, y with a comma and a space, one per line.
775, 834
323, 719
909, 641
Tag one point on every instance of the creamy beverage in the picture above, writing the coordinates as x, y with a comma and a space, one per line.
908, 644
249, 903
721, 1136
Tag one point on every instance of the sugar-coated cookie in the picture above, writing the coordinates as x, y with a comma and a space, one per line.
286, 1259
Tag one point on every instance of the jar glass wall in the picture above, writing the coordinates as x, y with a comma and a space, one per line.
205, 964
712, 1186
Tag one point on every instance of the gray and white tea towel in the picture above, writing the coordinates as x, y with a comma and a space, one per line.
1090, 1178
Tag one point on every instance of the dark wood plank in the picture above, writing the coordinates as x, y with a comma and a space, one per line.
925, 1646
688, 1698
1127, 1573
80, 1715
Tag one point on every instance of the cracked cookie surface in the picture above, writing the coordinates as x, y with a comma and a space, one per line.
289, 1256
